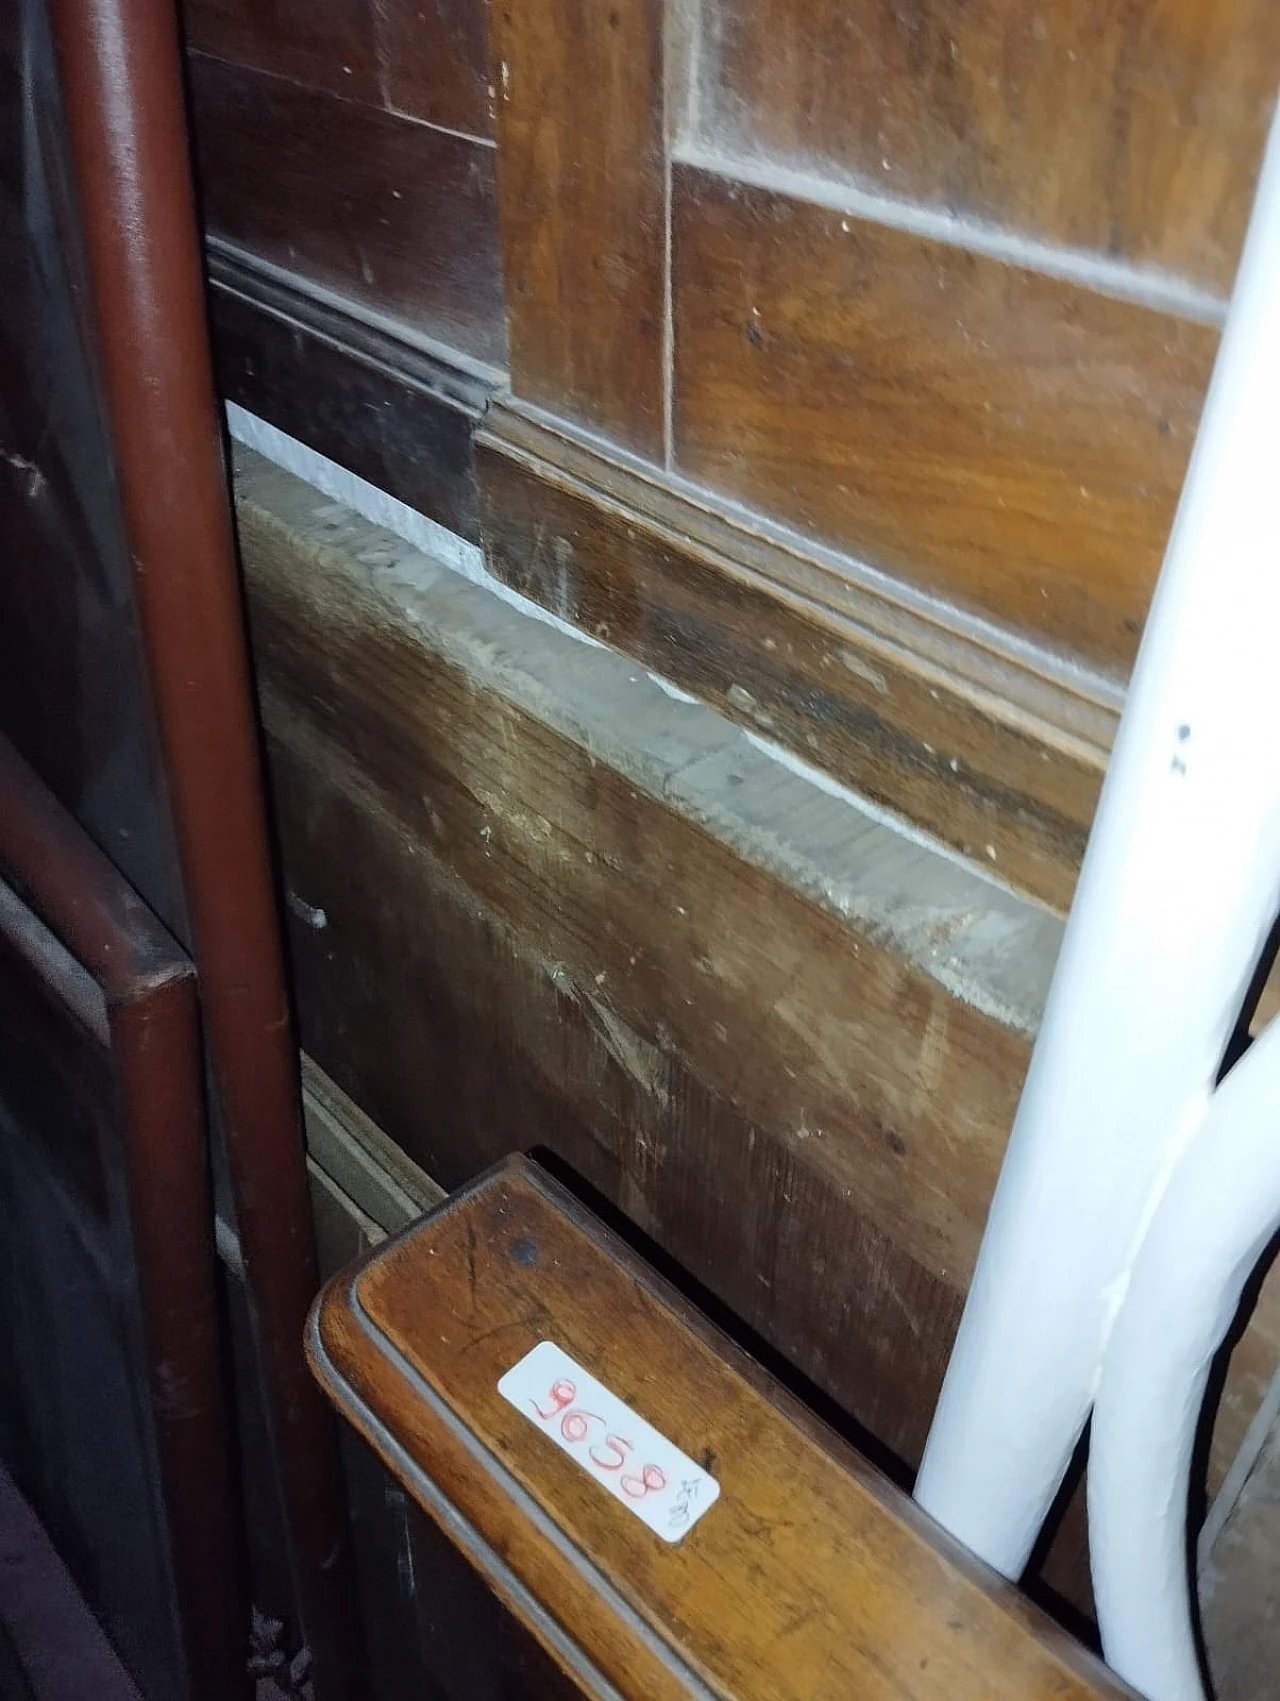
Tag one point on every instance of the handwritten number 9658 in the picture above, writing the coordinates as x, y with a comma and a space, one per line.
609, 1454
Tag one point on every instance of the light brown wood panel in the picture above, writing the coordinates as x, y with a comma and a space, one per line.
328, 44
581, 174
1130, 128
1008, 440
969, 733
435, 55
395, 215
808, 1579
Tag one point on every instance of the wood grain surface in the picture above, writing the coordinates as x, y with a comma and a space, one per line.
435, 55
809, 1578
1006, 439
988, 744
398, 216
1131, 129
582, 180
327, 44
396, 416
544, 817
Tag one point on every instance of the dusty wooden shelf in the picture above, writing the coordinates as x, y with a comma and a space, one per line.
808, 1577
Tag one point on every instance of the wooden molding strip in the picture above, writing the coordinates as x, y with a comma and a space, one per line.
994, 745
378, 1176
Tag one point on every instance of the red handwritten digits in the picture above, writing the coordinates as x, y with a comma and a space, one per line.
616, 1444
561, 1394
650, 1481
574, 1425
608, 1455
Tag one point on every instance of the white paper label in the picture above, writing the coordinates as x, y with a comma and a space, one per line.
625, 1455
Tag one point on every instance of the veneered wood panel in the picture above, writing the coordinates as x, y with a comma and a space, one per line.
328, 44
582, 180
396, 215
1131, 128
1006, 439
435, 55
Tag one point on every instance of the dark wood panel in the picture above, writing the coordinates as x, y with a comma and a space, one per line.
328, 44
107, 1241
1132, 128
436, 58
988, 748
808, 1579
580, 143
396, 215
383, 409
1003, 438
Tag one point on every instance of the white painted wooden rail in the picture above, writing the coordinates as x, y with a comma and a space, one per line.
1135, 1195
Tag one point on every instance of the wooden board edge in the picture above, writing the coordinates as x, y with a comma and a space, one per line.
336, 1306
976, 736
401, 416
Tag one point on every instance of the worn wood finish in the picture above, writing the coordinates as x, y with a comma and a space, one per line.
1129, 130
995, 749
544, 816
808, 1578
440, 1029
1008, 440
327, 44
949, 1079
435, 55
389, 412
582, 179
397, 216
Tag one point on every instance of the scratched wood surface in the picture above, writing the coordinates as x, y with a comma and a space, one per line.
436, 59
400, 418
1003, 438
519, 847
1129, 130
808, 1579
398, 217
326, 44
692, 251
986, 748
434, 1630
581, 174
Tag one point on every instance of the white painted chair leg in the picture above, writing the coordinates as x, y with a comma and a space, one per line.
1179, 887
1217, 1215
